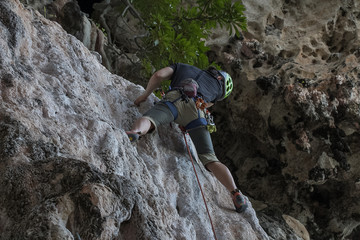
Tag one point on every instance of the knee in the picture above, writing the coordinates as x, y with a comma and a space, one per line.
148, 123
211, 166
143, 125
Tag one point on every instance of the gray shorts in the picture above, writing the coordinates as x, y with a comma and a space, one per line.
160, 114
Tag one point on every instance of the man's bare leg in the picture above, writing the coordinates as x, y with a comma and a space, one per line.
224, 176
142, 126
222, 173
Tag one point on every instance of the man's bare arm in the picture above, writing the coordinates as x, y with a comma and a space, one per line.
154, 83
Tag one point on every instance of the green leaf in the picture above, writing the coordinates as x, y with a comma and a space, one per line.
176, 29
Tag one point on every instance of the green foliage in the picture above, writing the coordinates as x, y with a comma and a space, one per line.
165, 86
101, 28
177, 29
48, 15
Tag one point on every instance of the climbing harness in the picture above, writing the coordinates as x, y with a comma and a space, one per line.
207, 121
202, 193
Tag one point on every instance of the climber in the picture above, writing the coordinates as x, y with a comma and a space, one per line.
178, 105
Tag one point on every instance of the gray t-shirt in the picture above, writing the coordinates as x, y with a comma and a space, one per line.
209, 87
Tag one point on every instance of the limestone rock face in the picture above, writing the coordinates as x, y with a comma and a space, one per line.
67, 168
289, 131
295, 113
110, 30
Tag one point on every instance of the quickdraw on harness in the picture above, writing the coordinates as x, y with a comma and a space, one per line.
211, 127
201, 105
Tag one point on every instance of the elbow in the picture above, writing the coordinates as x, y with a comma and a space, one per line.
164, 74
158, 75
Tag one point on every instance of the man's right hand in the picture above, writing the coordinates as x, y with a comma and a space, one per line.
140, 99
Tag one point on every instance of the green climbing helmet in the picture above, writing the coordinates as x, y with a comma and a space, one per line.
228, 84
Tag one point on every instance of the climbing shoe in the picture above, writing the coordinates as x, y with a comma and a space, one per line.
133, 136
239, 201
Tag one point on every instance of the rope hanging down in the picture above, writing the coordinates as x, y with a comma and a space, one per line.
202, 193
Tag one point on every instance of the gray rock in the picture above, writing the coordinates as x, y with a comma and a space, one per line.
68, 170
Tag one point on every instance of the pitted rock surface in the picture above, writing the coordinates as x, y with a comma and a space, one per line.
295, 113
67, 168
290, 129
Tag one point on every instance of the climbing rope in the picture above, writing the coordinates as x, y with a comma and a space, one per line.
202, 193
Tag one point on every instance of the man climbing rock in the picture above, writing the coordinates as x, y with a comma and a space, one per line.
192, 91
